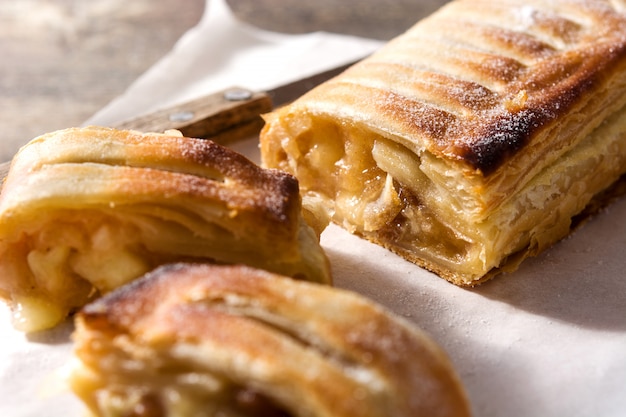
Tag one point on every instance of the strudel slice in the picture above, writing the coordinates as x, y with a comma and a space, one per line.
86, 210
472, 140
234, 341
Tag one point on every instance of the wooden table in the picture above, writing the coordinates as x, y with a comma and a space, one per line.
62, 60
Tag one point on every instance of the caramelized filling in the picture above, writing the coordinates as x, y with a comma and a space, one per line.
68, 264
372, 187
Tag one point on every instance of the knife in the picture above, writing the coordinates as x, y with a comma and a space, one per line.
225, 116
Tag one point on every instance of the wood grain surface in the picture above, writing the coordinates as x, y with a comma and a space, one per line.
63, 60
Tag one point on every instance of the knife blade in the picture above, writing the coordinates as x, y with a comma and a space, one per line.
225, 116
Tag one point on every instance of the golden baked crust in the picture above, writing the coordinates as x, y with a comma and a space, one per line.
470, 141
207, 340
85, 210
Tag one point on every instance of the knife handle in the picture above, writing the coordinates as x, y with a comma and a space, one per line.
224, 117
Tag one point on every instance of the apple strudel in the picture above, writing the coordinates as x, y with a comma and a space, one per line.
469, 142
85, 210
208, 340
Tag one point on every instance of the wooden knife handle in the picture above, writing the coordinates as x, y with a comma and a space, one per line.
225, 117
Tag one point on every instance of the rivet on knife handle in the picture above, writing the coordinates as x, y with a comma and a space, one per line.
225, 116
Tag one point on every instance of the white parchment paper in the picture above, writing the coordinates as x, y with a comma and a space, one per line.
547, 340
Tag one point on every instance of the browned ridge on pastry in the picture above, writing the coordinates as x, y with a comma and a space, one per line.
486, 115
86, 210
207, 340
480, 80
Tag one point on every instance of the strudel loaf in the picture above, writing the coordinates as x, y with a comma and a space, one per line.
234, 341
469, 142
86, 210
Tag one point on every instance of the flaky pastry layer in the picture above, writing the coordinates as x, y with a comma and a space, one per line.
469, 142
86, 210
206, 340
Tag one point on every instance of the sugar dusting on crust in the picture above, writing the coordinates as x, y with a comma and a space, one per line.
561, 51
275, 190
380, 364
196, 165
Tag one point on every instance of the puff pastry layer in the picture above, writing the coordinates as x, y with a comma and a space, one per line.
207, 340
469, 142
86, 210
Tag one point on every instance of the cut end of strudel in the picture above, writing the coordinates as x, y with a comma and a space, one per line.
86, 210
472, 140
208, 340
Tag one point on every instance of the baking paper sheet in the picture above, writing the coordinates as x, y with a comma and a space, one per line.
547, 340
